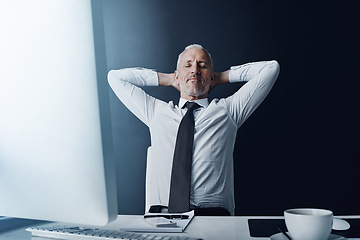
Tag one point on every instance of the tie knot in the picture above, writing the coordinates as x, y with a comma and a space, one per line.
192, 105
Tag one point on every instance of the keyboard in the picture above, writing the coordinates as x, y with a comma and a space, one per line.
77, 233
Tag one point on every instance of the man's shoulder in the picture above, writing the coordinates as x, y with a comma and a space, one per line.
217, 101
162, 105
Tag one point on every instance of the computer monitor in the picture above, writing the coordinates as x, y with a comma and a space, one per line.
55, 132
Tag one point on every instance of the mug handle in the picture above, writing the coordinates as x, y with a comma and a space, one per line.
340, 224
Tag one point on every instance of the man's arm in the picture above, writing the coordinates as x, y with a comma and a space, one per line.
126, 85
167, 79
259, 78
221, 78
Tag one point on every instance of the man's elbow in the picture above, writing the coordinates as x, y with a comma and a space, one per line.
111, 77
274, 67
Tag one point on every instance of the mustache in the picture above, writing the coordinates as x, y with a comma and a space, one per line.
194, 75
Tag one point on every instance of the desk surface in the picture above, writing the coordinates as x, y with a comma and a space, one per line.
208, 228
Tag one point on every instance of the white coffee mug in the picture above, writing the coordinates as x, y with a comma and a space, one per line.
309, 223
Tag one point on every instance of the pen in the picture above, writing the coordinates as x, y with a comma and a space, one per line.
172, 216
283, 232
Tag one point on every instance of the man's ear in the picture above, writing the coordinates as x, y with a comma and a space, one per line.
176, 77
213, 75
176, 83
212, 82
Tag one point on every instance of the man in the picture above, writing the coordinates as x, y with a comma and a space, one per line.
211, 189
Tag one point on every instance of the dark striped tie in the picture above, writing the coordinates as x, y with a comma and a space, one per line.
179, 199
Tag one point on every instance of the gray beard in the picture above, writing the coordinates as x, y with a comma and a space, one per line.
194, 92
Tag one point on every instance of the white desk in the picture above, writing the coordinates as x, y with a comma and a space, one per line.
208, 228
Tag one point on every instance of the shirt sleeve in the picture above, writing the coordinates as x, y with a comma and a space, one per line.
260, 78
126, 85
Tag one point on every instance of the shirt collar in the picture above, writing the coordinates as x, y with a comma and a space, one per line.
204, 102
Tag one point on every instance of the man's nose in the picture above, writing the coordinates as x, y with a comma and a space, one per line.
195, 69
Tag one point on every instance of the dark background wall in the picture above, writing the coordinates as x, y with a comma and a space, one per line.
301, 148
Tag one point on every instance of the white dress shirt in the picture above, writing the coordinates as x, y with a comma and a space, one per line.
216, 125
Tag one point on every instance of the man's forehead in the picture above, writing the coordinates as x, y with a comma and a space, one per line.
195, 53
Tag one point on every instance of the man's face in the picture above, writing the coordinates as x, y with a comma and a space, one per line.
194, 74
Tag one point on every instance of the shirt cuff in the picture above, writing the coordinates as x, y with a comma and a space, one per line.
236, 73
149, 77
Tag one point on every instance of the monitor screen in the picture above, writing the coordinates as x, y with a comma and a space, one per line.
55, 141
